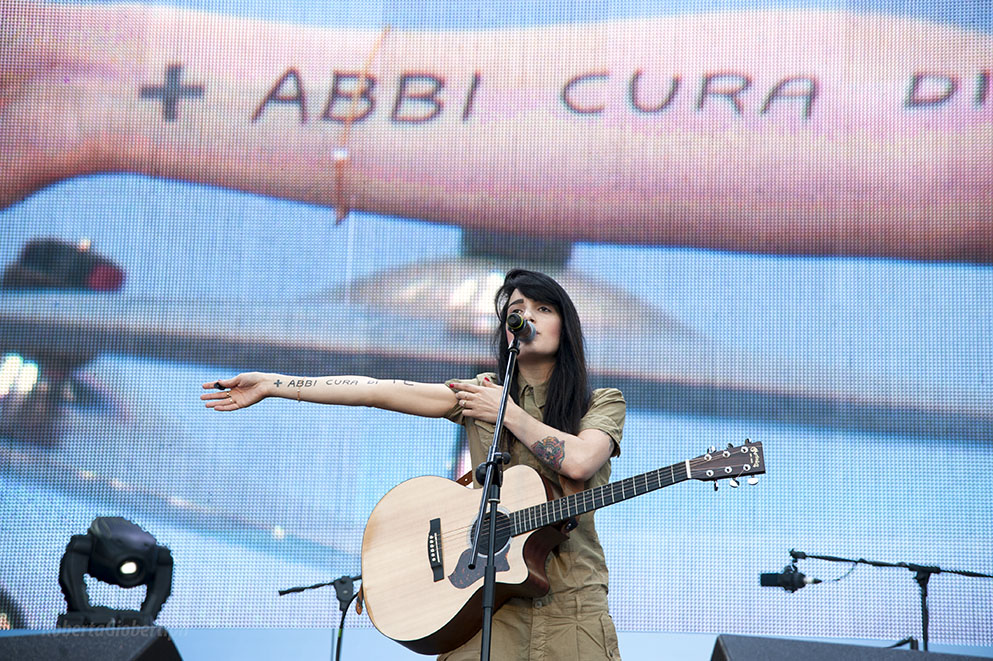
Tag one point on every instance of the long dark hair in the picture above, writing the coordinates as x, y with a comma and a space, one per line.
569, 392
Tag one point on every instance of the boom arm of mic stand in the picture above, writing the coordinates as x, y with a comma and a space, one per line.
922, 574
344, 586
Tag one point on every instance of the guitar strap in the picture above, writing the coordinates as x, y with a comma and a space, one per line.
466, 479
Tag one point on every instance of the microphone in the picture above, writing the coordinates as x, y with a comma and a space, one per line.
520, 327
789, 579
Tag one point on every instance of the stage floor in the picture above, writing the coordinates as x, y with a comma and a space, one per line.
369, 644
303, 644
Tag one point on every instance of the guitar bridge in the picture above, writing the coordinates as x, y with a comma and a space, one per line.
434, 550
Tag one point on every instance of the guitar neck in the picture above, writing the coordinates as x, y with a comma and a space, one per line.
532, 518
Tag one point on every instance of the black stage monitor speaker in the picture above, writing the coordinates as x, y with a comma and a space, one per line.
111, 644
749, 648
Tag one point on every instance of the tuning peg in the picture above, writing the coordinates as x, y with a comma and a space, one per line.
711, 449
733, 483
715, 486
753, 480
730, 445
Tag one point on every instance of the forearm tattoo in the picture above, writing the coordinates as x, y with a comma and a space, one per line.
421, 97
551, 452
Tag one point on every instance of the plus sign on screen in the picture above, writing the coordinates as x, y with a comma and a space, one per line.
171, 92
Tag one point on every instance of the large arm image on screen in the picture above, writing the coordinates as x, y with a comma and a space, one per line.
769, 130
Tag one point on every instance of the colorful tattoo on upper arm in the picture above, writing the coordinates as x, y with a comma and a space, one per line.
550, 451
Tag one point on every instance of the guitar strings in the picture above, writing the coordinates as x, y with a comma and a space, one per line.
505, 525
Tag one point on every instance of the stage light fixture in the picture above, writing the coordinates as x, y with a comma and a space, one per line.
118, 552
11, 615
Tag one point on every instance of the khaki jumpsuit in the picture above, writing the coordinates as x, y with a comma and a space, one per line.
571, 622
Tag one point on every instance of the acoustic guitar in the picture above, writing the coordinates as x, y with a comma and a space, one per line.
417, 584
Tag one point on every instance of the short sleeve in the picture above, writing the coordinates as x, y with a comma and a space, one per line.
606, 413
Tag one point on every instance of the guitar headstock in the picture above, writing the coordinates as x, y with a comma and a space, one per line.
733, 462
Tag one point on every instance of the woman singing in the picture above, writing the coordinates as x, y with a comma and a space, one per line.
557, 425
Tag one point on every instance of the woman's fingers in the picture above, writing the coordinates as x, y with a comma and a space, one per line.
472, 387
221, 401
220, 384
215, 395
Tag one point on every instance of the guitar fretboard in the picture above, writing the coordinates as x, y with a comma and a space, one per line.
532, 518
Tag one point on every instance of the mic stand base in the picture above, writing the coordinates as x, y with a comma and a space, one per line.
909, 641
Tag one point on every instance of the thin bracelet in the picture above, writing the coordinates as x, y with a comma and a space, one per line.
341, 153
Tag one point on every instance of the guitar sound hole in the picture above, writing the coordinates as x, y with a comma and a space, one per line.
502, 536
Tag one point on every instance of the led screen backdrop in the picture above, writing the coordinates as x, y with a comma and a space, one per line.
775, 218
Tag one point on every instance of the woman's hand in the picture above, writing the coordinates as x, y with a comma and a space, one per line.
480, 402
242, 391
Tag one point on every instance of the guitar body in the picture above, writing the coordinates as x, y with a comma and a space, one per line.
419, 589
416, 583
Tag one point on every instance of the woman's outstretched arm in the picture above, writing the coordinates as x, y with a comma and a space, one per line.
431, 400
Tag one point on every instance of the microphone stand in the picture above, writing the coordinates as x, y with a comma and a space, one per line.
493, 480
922, 574
344, 587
